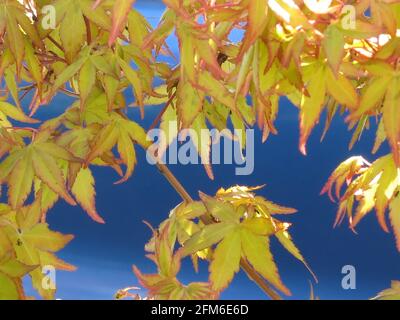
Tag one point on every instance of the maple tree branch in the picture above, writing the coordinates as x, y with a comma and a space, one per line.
247, 268
174, 182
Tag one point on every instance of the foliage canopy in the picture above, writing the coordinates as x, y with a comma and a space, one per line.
324, 56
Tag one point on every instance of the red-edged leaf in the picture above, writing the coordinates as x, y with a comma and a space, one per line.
120, 13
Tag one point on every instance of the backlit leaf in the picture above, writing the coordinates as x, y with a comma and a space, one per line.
394, 215
257, 252
312, 105
207, 237
391, 118
87, 78
341, 89
119, 17
225, 262
333, 45
392, 293
41, 237
9, 289
84, 192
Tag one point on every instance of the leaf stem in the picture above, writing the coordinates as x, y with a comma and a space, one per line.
88, 31
159, 116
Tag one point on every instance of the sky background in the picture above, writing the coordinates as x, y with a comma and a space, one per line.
104, 254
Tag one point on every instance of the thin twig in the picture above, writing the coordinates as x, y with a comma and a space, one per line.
159, 116
24, 88
25, 93
69, 93
55, 43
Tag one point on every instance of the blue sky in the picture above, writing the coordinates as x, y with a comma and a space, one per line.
104, 254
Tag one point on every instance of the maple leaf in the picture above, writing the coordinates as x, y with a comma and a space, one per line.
237, 234
123, 133
312, 105
39, 159
69, 71
32, 245
189, 103
71, 17
72, 29
7, 110
119, 18
94, 51
158, 36
257, 20
374, 186
87, 79
391, 118
394, 215
15, 24
289, 12
165, 285
226, 257
393, 293
84, 192
334, 47
231, 236
11, 270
